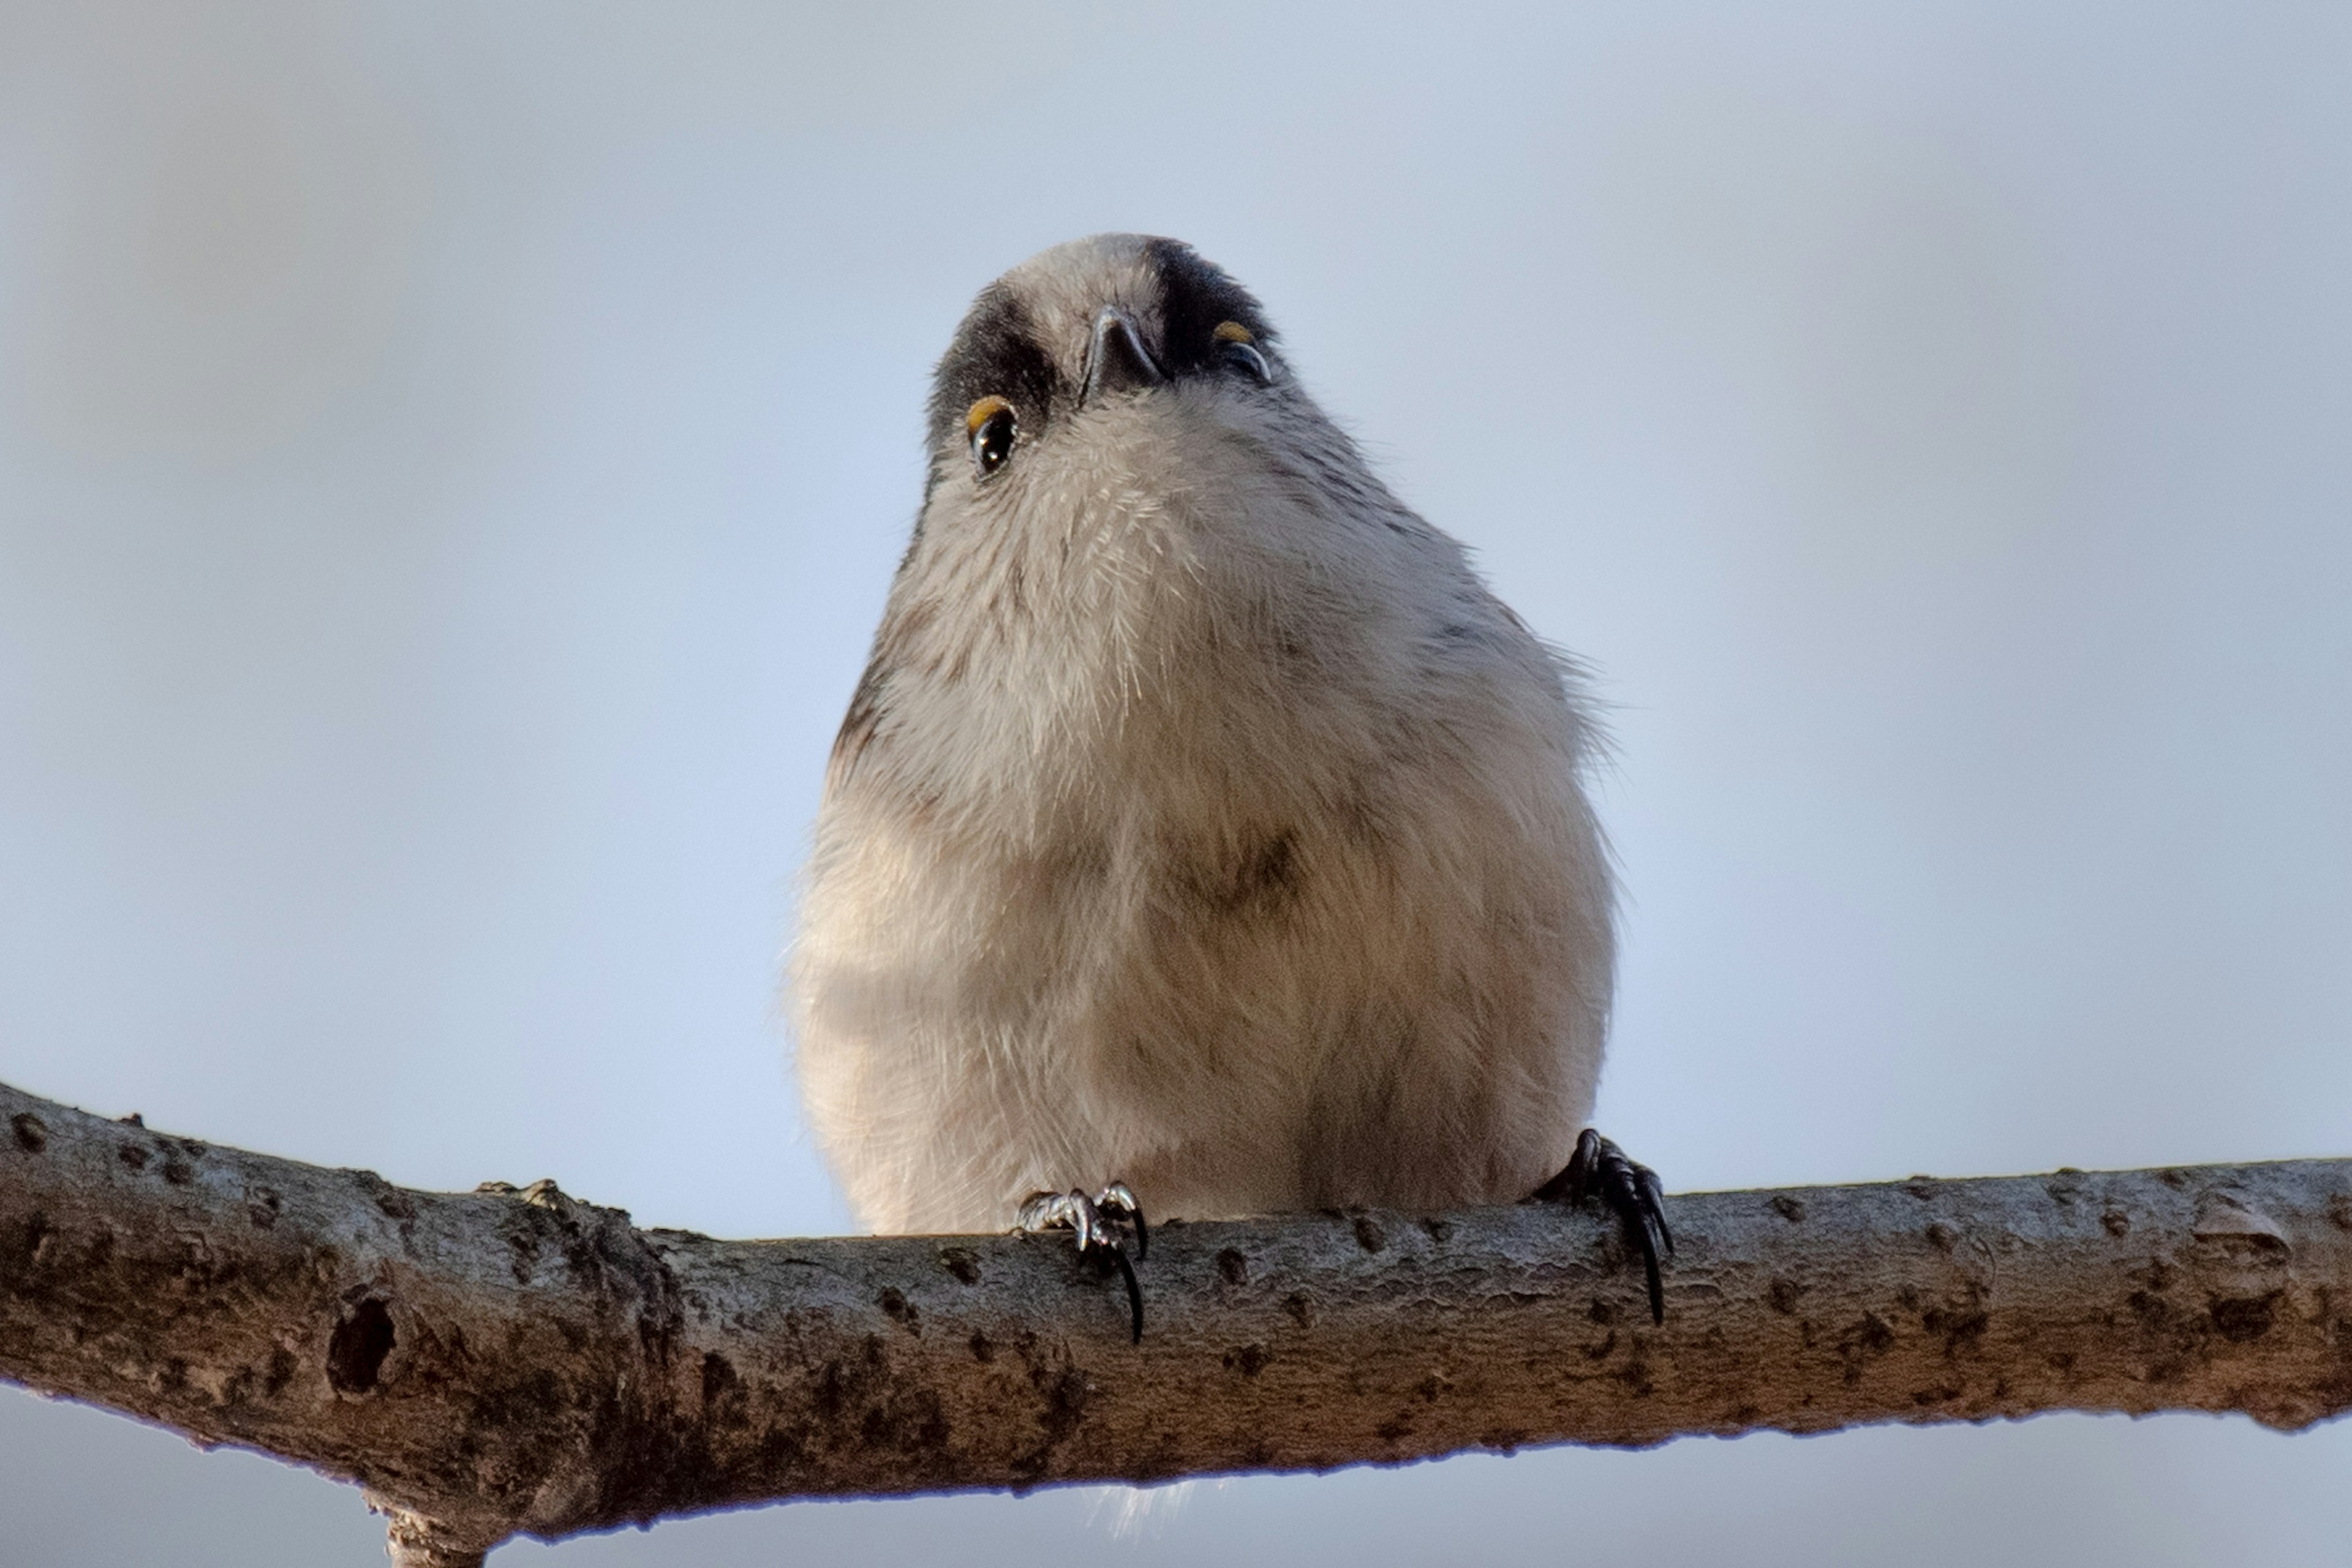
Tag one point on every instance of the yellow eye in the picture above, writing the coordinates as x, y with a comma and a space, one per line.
1234, 333
993, 426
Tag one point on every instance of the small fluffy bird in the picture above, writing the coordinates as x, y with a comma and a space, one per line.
1202, 829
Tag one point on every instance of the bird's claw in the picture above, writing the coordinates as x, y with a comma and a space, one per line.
1100, 1222
1626, 1188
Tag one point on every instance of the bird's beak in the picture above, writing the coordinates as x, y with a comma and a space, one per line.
1117, 359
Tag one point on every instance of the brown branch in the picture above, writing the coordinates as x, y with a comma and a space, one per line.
493, 1362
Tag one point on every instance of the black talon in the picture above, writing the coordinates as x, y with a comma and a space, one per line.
1095, 1221
1134, 1291
1628, 1189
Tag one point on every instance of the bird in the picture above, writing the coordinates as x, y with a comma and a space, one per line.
1202, 827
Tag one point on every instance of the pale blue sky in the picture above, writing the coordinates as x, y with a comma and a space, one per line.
451, 460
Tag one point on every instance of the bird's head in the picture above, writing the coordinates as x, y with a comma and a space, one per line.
1109, 354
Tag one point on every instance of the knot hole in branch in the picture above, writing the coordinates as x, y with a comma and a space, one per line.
356, 1350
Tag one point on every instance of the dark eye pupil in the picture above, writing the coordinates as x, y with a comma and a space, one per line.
1249, 360
992, 442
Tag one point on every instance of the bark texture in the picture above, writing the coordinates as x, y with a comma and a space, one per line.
499, 1361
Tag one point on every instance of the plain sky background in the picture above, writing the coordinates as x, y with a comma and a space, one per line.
451, 459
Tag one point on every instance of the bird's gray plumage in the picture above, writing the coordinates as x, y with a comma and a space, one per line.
1201, 820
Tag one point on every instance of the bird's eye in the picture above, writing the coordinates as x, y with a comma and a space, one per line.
1237, 345
993, 426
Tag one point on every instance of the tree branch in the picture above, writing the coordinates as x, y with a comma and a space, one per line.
493, 1362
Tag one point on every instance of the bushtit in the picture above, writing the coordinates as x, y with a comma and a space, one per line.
1201, 822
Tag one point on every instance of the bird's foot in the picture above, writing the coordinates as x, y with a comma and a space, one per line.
1101, 1223
1626, 1188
